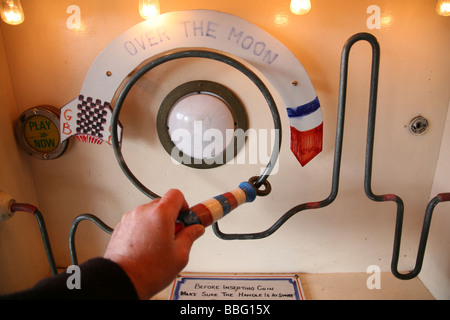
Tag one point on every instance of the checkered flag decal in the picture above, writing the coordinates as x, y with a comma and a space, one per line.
92, 116
89, 120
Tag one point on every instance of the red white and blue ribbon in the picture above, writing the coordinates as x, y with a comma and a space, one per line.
306, 131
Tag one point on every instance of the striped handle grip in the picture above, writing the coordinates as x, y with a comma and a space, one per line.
211, 210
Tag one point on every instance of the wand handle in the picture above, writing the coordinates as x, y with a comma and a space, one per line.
213, 209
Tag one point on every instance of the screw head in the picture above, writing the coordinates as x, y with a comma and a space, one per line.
418, 125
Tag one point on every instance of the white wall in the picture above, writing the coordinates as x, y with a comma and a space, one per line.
436, 268
22, 255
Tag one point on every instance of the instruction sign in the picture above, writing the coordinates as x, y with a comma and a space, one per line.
273, 287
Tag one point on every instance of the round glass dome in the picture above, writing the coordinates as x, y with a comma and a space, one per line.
198, 123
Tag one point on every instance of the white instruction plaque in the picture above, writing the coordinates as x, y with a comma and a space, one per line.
234, 287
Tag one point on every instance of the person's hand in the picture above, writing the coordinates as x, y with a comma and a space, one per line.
145, 246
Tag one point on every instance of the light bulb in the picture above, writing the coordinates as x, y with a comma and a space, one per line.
443, 7
300, 6
12, 12
149, 9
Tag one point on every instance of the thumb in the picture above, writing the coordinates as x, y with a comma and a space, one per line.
183, 243
187, 236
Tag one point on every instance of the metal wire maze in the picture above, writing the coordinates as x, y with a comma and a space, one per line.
181, 55
368, 168
443, 197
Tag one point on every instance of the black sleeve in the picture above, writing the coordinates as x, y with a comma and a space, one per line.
100, 279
